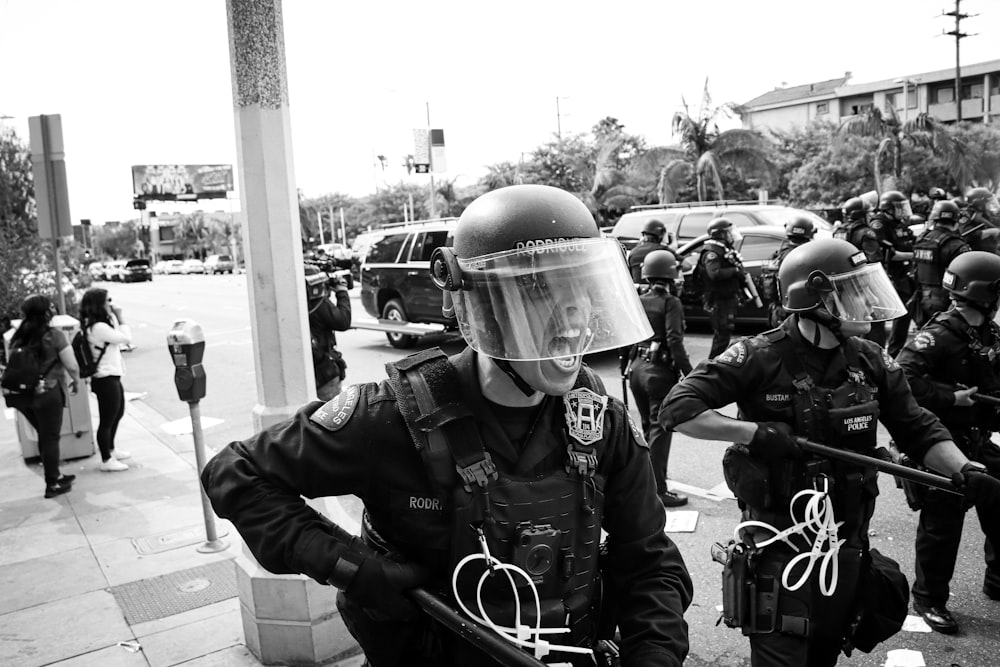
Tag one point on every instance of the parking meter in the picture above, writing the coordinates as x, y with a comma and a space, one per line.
187, 348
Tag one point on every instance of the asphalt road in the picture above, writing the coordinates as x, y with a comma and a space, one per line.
219, 304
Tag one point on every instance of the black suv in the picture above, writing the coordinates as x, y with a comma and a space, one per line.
686, 222
136, 270
395, 276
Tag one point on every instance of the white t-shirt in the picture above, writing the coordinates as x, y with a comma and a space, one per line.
102, 334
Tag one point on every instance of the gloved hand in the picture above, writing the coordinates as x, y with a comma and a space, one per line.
979, 488
381, 584
775, 440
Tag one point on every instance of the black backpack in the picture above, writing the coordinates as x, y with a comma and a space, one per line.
85, 356
23, 375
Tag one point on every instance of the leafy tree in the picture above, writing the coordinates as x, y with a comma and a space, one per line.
709, 149
21, 251
837, 172
117, 241
500, 175
982, 151
566, 163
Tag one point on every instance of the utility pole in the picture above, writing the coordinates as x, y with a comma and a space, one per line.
959, 35
558, 120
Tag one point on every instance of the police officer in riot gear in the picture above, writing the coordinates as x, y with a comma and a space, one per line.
653, 233
857, 230
720, 268
657, 363
979, 220
953, 359
507, 455
891, 223
933, 251
798, 230
814, 377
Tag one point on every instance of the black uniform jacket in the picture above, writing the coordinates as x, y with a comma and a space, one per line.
367, 451
751, 375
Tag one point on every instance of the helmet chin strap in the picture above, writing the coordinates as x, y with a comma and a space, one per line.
822, 317
519, 382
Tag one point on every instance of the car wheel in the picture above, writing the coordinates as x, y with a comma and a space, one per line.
394, 311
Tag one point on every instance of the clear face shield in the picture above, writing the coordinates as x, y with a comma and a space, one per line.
864, 295
901, 210
549, 301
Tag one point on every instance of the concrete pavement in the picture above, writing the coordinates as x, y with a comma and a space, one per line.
109, 573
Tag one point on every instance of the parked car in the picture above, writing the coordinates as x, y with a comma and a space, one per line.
395, 276
686, 222
219, 264
160, 267
136, 270
98, 270
190, 266
113, 270
174, 267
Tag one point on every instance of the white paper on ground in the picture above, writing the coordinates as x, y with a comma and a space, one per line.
183, 426
681, 521
130, 396
916, 624
904, 657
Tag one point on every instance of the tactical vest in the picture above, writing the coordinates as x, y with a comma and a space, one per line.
869, 245
980, 370
549, 526
928, 255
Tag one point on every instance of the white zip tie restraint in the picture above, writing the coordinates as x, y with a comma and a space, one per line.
819, 521
521, 635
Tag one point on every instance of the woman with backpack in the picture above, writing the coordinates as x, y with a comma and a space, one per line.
101, 323
43, 352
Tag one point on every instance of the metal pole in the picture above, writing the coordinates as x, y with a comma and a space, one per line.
213, 543
906, 106
343, 226
54, 214
958, 67
558, 120
319, 223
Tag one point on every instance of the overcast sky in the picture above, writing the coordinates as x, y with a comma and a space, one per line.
148, 82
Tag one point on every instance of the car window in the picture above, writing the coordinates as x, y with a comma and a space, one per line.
137, 263
694, 224
225, 258
426, 243
758, 247
779, 216
386, 250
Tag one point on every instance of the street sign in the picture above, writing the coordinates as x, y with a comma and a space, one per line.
422, 168
48, 166
421, 151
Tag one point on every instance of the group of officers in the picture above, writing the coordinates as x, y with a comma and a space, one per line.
489, 477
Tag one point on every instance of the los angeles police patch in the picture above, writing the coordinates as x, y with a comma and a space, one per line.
709, 256
736, 355
890, 363
338, 410
636, 432
585, 415
924, 340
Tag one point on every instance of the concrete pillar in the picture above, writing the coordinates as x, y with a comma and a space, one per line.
286, 619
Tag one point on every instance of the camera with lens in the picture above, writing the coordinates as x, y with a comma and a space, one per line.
536, 549
323, 277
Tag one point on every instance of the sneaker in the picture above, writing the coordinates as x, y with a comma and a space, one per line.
121, 454
57, 489
672, 499
939, 618
66, 479
113, 465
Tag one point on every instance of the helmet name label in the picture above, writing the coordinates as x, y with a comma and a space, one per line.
859, 258
538, 246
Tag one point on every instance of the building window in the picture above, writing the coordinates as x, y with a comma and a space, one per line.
166, 234
972, 91
823, 107
890, 101
911, 97
994, 84
943, 95
858, 109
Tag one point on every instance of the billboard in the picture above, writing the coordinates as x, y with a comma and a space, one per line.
181, 181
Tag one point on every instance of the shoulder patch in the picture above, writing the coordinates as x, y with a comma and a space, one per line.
736, 355
335, 414
710, 255
876, 225
924, 340
889, 362
636, 431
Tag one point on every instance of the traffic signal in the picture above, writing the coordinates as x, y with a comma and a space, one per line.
138, 204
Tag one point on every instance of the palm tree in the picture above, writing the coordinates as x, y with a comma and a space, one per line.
924, 130
709, 149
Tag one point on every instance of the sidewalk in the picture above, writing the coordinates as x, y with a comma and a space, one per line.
108, 574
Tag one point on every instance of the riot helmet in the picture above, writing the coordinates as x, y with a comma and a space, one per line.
655, 229
800, 227
531, 278
944, 213
833, 275
721, 229
982, 200
660, 265
855, 209
937, 194
974, 276
894, 204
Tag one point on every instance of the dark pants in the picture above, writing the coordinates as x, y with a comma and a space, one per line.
723, 321
111, 408
650, 383
45, 414
900, 325
939, 533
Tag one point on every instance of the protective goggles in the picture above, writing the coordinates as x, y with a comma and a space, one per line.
864, 295
547, 300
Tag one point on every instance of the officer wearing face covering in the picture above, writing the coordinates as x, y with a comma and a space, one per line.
488, 476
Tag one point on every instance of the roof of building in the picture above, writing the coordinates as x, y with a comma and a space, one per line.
779, 95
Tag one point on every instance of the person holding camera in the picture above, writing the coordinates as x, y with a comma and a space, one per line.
487, 477
326, 317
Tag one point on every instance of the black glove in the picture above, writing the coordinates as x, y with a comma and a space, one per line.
979, 488
774, 441
381, 584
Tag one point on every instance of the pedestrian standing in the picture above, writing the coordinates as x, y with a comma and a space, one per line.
43, 407
658, 362
933, 251
653, 233
720, 268
508, 457
102, 324
952, 359
805, 583
325, 318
